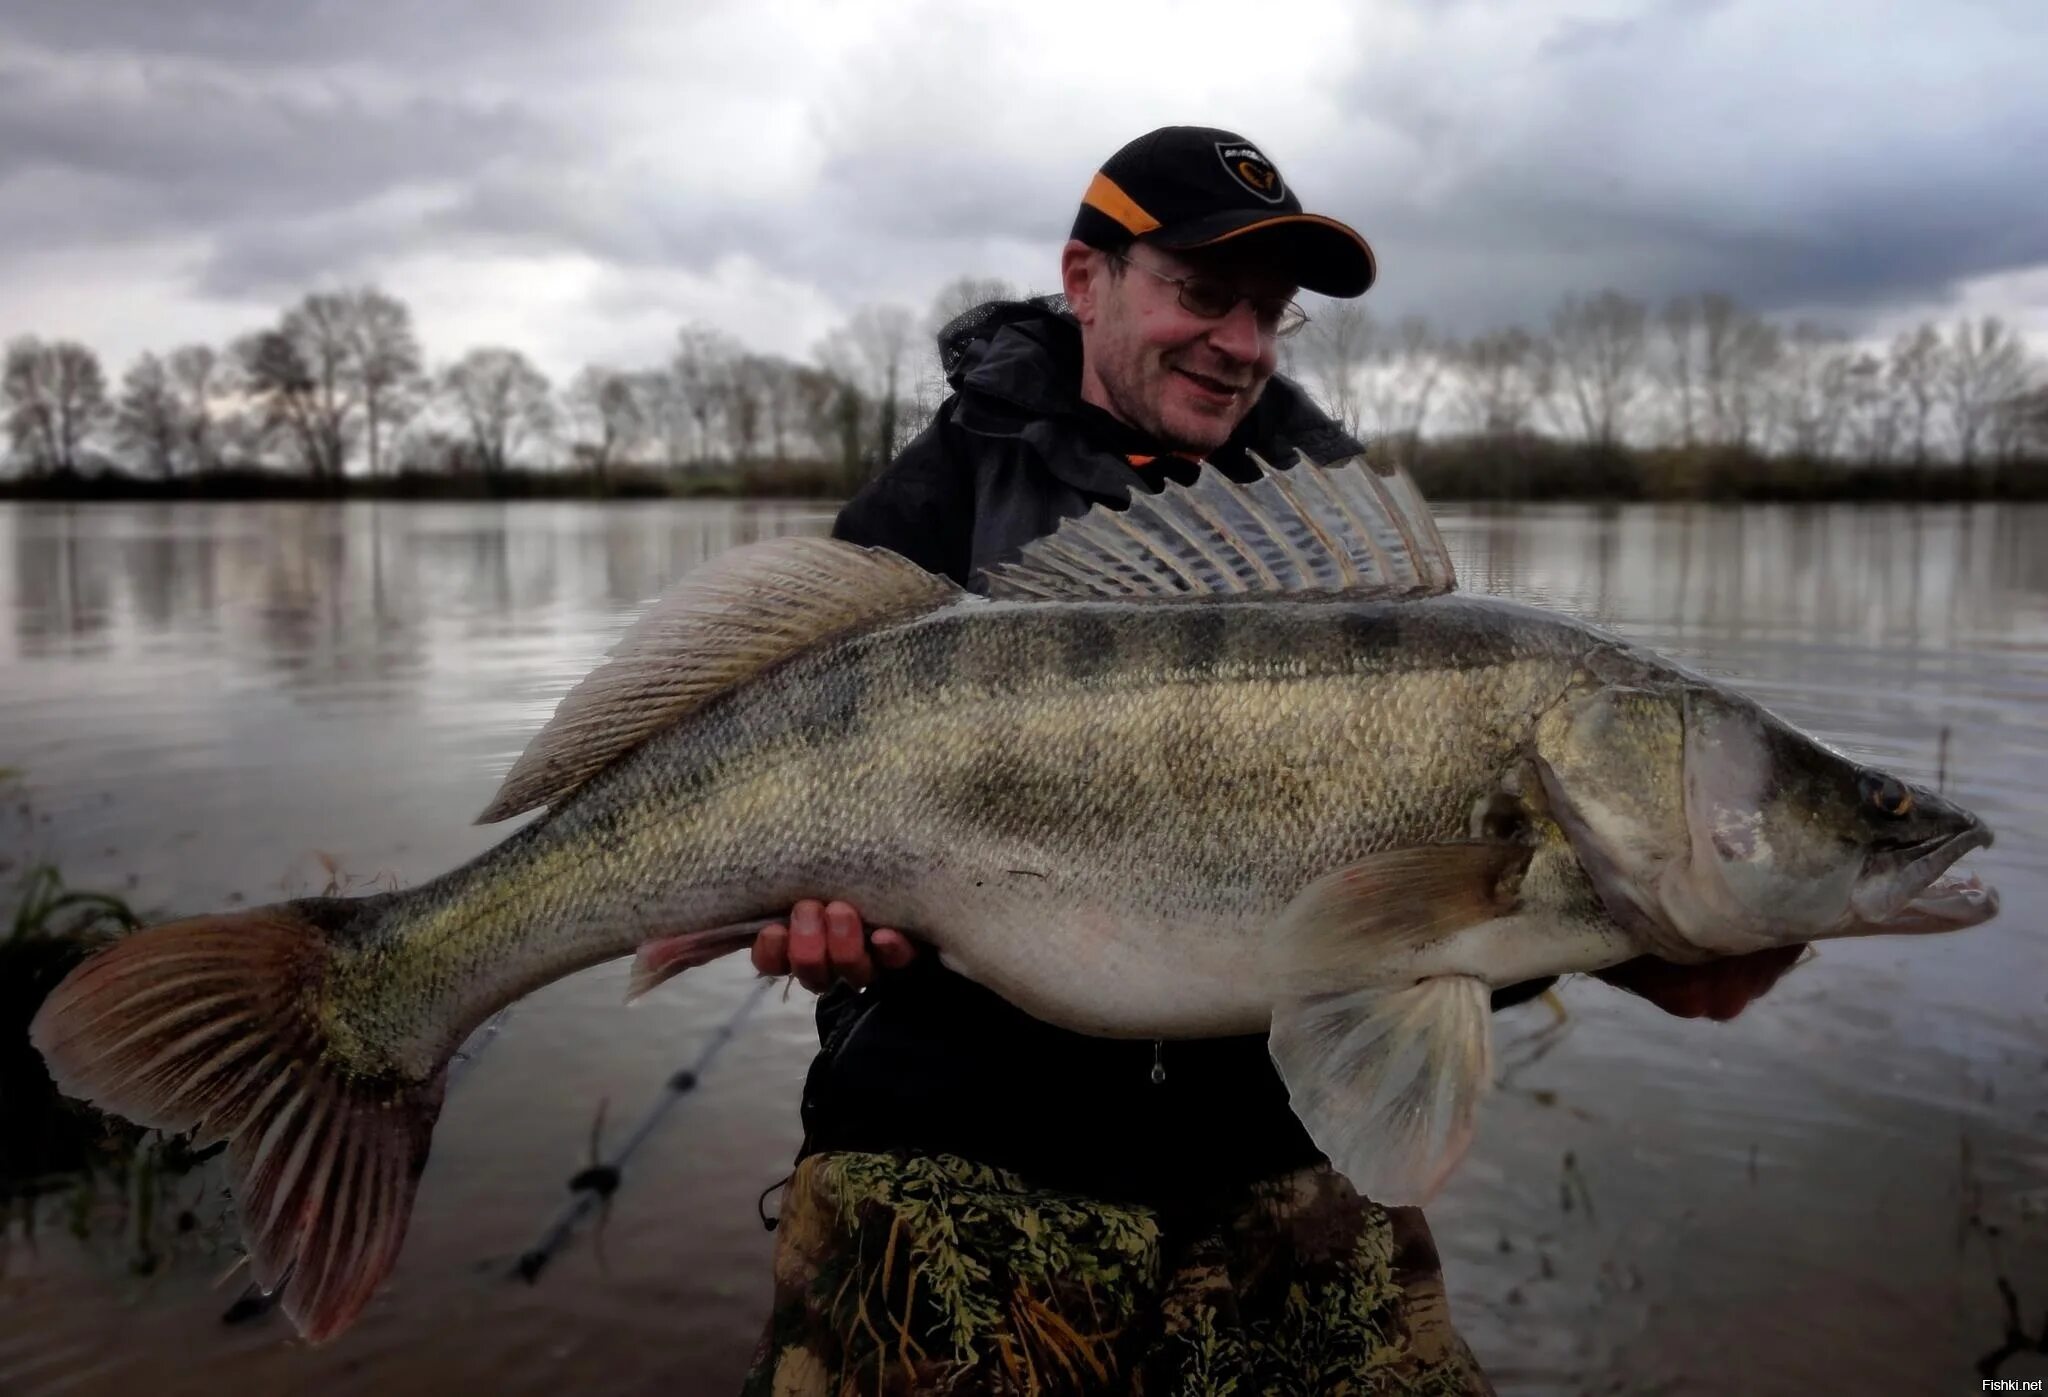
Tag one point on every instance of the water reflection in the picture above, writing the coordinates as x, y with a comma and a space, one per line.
209, 699
326, 594
1925, 577
1931, 577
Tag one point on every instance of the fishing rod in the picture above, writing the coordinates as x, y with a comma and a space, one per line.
592, 1187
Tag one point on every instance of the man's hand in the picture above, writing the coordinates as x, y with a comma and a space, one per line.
1718, 989
824, 942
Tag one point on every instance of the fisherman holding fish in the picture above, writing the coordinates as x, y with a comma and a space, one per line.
1179, 280
1223, 814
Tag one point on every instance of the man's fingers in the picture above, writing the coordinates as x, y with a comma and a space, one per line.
845, 945
824, 942
893, 949
771, 950
1715, 989
807, 955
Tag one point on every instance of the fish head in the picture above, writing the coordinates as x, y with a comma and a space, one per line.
1711, 827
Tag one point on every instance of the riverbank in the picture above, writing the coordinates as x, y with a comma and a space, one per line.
1455, 469
798, 480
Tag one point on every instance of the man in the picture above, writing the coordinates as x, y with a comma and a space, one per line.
986, 1201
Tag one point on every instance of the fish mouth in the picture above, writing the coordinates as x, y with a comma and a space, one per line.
1912, 889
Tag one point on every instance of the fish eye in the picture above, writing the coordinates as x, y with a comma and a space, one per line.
1888, 794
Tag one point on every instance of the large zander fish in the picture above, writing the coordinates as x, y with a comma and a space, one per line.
1233, 760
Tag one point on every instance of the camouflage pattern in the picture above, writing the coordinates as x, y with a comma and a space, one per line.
931, 1274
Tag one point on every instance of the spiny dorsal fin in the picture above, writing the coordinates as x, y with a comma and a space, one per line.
726, 622
1348, 530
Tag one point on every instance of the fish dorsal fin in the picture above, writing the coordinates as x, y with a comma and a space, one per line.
1348, 531
724, 623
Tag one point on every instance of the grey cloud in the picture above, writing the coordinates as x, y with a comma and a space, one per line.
1495, 166
1616, 171
161, 151
313, 33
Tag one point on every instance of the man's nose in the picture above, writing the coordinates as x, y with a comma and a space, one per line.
1237, 334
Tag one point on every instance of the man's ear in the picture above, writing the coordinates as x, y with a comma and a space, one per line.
1083, 270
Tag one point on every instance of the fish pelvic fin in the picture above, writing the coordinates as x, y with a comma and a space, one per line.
1352, 531
1388, 1082
661, 960
1387, 1076
721, 625
210, 1025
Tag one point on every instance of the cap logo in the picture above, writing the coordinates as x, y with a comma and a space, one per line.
1252, 170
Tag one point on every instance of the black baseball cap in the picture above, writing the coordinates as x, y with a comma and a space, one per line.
1184, 187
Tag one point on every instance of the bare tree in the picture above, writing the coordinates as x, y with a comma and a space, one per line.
828, 415
2019, 422
1738, 353
1986, 365
607, 417
387, 364
1501, 376
868, 354
303, 378
56, 396
928, 386
1874, 415
1400, 382
147, 418
1676, 367
1917, 368
195, 375
2024, 424
1813, 391
701, 366
780, 392
1332, 352
962, 294
1599, 346
666, 413
503, 399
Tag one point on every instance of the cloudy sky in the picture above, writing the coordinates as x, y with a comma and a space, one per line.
580, 179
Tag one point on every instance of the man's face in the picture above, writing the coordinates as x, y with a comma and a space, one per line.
1150, 361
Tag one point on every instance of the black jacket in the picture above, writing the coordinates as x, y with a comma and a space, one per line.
927, 1060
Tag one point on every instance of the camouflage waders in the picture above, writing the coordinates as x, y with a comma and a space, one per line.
932, 1274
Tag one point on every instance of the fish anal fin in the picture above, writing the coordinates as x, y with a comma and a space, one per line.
745, 611
1355, 530
1387, 1081
662, 959
206, 1025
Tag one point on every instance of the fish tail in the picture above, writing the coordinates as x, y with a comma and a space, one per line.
212, 1025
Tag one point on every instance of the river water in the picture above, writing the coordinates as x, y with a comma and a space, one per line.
213, 705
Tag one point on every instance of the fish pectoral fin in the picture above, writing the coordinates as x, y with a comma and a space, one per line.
662, 959
1401, 901
1387, 1081
1387, 1075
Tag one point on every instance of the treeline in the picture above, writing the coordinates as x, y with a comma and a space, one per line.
337, 394
1699, 398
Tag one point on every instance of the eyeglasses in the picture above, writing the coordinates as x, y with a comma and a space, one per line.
1213, 298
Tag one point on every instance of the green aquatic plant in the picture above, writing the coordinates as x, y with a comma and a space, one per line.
57, 1156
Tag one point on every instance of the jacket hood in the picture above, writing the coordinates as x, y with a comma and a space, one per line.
1016, 362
